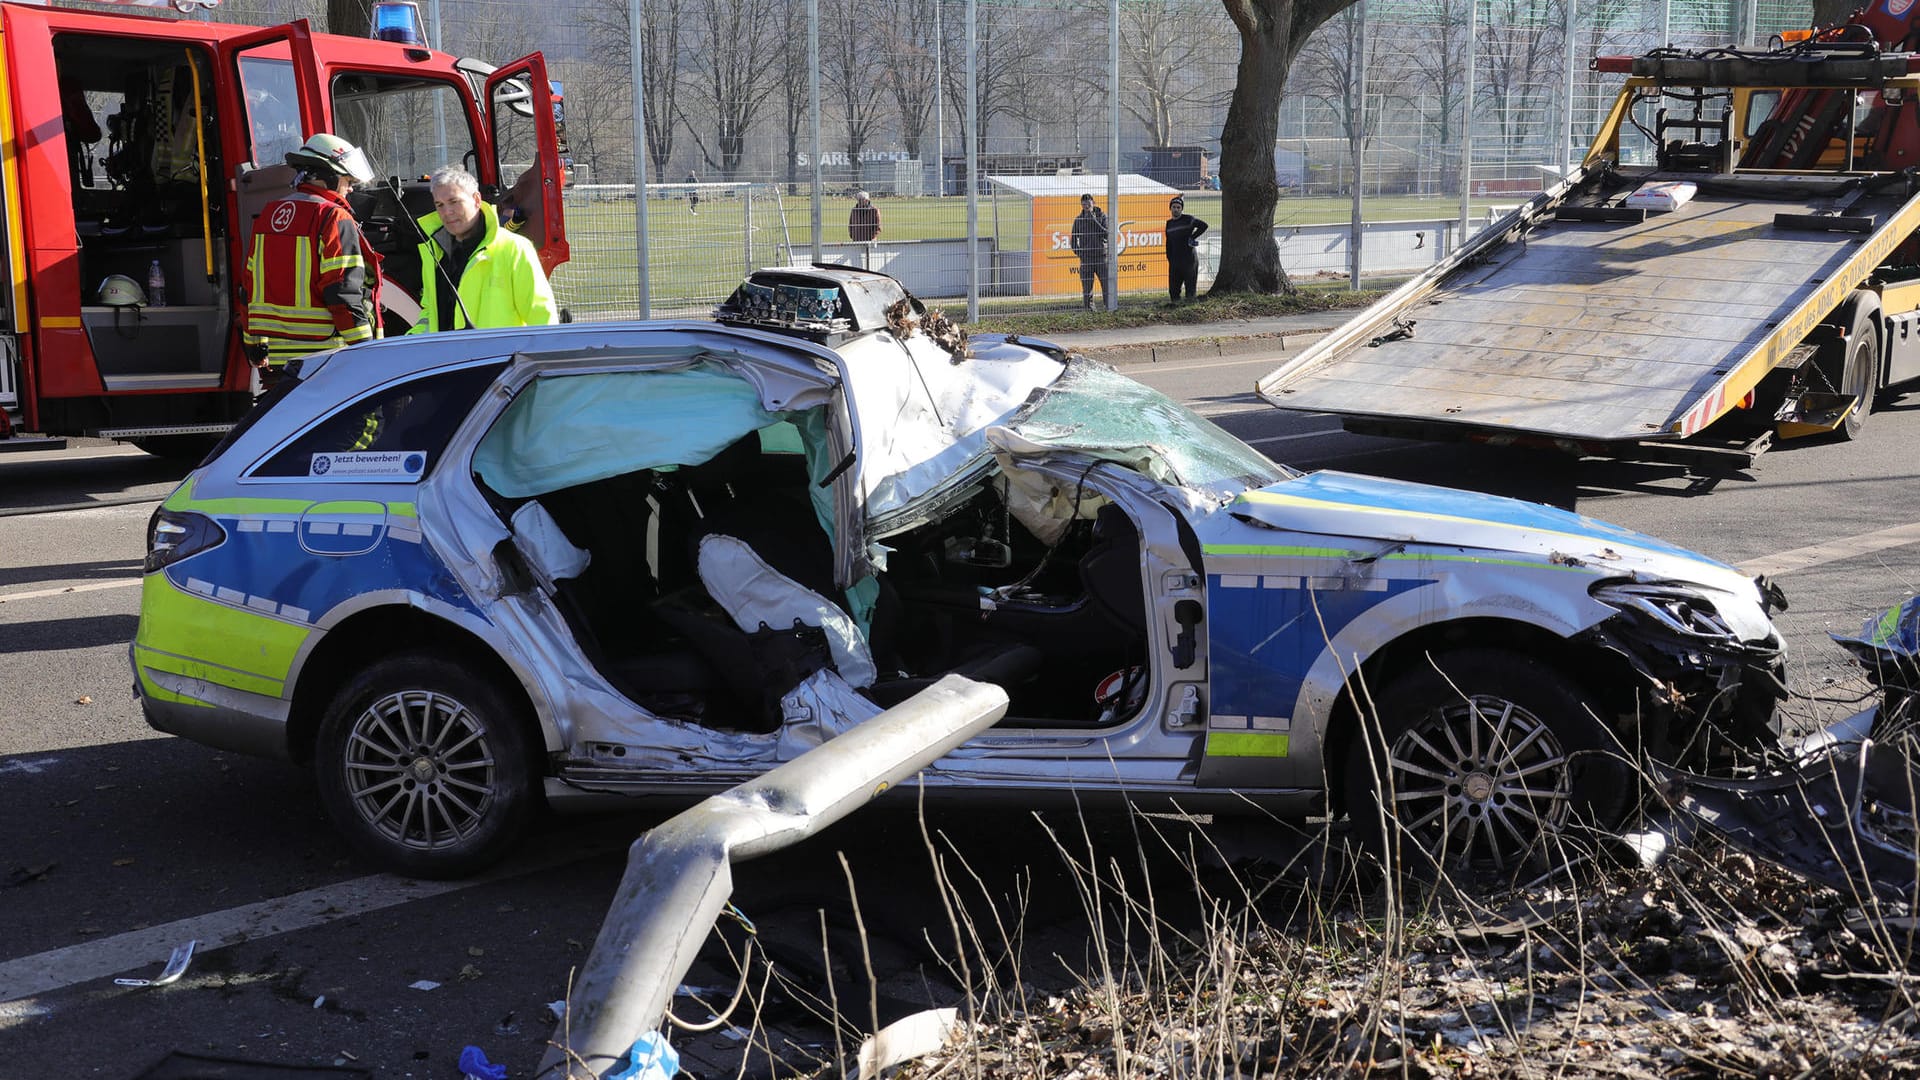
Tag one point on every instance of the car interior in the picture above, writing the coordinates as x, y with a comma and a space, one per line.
973, 592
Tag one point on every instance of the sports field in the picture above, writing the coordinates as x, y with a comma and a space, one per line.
699, 253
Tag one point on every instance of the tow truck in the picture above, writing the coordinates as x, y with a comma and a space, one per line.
1755, 276
143, 146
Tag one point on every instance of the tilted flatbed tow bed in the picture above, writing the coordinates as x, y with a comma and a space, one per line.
1583, 323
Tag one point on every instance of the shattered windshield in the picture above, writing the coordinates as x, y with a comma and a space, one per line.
1095, 410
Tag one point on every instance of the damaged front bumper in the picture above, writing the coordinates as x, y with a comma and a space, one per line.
1711, 665
1843, 815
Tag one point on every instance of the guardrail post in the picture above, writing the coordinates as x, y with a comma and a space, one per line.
679, 873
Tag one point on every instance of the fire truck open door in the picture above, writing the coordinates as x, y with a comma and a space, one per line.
279, 84
523, 132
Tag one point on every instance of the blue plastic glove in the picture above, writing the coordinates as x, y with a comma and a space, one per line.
650, 1058
474, 1063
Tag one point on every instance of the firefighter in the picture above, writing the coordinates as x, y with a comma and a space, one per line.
312, 280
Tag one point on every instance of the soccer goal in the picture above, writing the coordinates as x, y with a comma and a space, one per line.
703, 240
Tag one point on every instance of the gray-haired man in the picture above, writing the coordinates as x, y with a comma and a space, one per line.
473, 273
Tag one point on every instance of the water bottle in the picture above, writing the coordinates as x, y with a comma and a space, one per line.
156, 285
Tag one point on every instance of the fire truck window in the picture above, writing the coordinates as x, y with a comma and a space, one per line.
273, 108
408, 127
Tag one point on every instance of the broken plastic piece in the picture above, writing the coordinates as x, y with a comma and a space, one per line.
474, 1063
176, 967
650, 1058
905, 1039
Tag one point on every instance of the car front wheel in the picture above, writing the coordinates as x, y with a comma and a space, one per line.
1485, 762
426, 767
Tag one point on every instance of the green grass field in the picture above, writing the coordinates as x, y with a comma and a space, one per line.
698, 257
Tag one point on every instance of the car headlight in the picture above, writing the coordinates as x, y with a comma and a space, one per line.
173, 535
1678, 609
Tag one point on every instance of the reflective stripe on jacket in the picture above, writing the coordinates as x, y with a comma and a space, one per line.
502, 284
312, 281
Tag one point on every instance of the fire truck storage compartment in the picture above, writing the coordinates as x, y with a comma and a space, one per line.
138, 198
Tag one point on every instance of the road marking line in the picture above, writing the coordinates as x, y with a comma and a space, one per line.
92, 586
1290, 438
74, 964
1813, 555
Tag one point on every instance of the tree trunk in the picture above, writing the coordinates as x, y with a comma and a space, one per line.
352, 18
1271, 34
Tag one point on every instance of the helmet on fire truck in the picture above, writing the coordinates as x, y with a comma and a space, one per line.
119, 290
333, 154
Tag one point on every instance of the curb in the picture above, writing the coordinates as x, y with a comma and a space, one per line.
1146, 353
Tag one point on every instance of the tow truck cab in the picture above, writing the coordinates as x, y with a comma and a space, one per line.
135, 144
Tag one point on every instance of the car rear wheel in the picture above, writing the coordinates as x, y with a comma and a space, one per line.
426, 767
1483, 763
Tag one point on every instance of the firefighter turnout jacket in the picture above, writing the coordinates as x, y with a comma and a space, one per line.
312, 280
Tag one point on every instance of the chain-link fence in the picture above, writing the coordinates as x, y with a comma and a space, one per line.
741, 95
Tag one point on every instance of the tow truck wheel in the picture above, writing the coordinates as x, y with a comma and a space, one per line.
1862, 373
425, 767
1482, 764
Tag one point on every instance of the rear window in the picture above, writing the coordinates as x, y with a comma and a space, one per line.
396, 433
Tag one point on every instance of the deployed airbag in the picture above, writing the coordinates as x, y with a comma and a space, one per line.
564, 431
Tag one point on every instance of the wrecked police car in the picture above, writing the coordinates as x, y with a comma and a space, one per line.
464, 573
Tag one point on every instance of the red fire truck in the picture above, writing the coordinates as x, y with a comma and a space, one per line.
143, 146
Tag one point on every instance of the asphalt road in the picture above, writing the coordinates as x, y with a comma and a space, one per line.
116, 844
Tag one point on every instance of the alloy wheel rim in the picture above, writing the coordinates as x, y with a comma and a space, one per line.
419, 769
1481, 781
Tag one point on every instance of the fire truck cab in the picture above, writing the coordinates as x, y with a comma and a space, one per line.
141, 146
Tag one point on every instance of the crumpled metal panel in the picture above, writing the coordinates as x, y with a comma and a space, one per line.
1845, 816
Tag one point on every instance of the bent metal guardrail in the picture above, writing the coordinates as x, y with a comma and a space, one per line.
679, 874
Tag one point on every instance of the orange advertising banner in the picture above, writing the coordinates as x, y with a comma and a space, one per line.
1141, 231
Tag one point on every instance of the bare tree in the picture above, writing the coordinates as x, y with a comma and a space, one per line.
599, 109
350, 17
1325, 73
610, 41
1272, 33
1163, 44
732, 70
1519, 48
911, 34
794, 86
1003, 44
853, 68
1436, 59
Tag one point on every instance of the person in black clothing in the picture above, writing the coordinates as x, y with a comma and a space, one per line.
1183, 236
1089, 241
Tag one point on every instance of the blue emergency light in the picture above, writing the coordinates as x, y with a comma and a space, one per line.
398, 21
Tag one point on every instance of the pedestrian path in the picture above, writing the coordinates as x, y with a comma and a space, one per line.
1160, 343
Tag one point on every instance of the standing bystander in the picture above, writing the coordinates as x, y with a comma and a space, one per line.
1183, 261
863, 225
1089, 242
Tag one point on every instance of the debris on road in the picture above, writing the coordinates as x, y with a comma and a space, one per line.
176, 967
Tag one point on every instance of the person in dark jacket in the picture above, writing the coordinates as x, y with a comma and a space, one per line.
1089, 242
863, 225
1183, 236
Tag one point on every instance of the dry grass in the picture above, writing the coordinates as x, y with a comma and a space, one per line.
1315, 962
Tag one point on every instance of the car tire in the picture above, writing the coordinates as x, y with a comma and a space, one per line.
1494, 763
1861, 375
426, 767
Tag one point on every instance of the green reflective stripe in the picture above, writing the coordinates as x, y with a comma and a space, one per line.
341, 263
1226, 744
259, 266
303, 261
1266, 551
353, 335
201, 638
